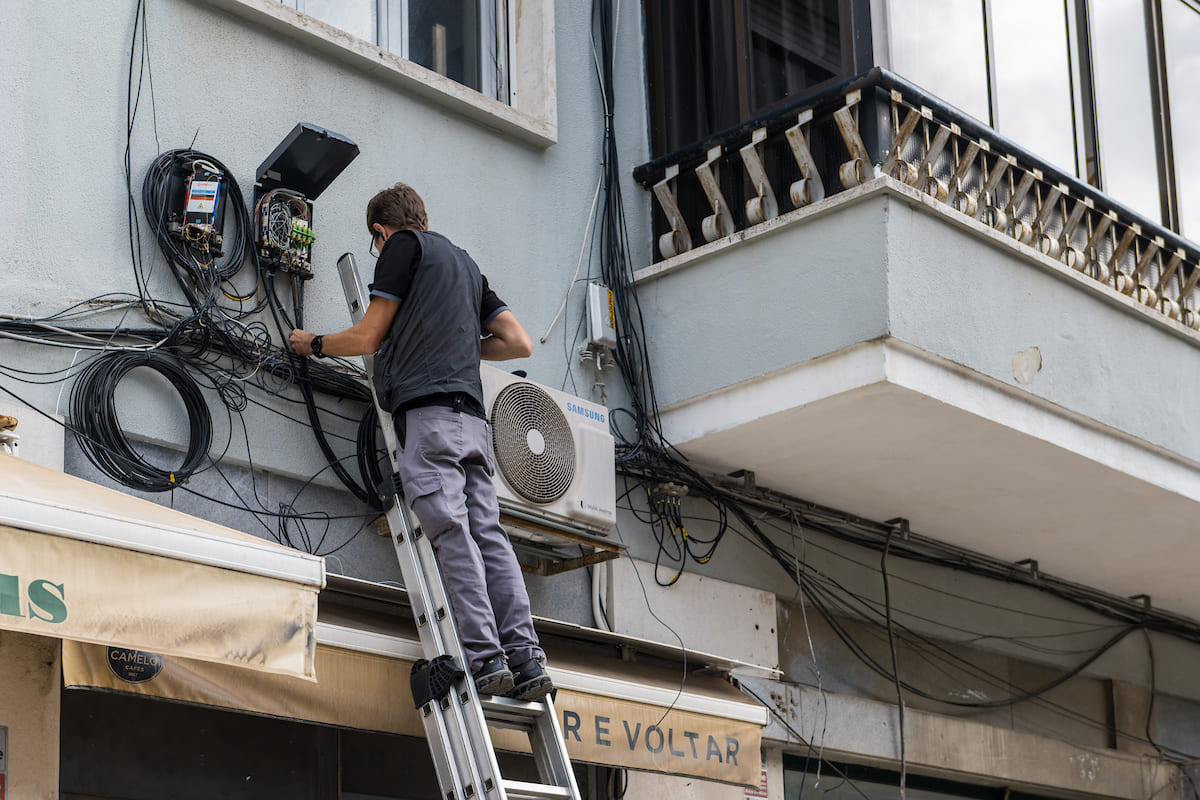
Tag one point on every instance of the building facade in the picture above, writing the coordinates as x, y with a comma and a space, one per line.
900, 386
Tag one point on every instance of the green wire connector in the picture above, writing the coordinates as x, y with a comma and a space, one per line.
302, 235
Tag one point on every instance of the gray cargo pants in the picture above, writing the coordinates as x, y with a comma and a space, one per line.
446, 468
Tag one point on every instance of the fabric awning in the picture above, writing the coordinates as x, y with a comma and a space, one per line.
85, 563
611, 712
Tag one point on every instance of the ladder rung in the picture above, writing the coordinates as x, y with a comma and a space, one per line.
508, 713
520, 790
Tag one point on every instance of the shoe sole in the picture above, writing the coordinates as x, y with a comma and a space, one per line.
533, 690
496, 683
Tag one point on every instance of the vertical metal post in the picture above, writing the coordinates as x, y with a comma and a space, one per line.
1164, 149
1087, 142
989, 56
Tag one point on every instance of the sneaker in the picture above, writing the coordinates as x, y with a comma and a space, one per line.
494, 676
531, 682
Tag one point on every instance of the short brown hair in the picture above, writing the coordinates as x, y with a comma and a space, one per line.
397, 207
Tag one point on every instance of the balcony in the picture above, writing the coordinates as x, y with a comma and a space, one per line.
915, 318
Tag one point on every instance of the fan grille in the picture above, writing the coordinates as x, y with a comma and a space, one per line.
535, 450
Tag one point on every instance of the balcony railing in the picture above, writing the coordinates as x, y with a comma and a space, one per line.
879, 124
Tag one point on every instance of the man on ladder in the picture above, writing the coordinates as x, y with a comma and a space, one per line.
428, 307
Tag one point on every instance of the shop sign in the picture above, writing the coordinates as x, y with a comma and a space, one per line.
605, 730
39, 599
74, 589
133, 666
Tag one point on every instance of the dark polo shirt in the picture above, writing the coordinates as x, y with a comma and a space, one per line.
432, 347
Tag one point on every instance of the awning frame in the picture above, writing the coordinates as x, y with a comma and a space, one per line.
264, 558
603, 685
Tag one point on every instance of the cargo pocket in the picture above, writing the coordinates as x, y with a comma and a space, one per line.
422, 484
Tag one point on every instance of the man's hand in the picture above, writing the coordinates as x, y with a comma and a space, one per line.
301, 342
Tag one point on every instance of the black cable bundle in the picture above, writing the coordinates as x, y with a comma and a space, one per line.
615, 263
98, 430
643, 454
155, 204
370, 455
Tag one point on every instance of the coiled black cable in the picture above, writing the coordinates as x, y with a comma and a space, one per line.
98, 430
156, 205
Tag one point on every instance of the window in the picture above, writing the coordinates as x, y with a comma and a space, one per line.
1181, 29
465, 40
793, 46
956, 69
1033, 104
943, 46
1081, 83
196, 753
1124, 110
715, 63
802, 777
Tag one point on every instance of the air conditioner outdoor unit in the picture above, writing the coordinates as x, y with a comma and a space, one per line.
554, 453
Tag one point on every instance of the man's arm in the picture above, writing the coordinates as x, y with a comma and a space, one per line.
508, 339
360, 339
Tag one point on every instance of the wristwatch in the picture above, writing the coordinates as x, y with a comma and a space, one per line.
316, 346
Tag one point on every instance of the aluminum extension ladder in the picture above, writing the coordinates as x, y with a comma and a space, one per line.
456, 726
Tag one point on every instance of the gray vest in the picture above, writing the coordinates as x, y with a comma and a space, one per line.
433, 344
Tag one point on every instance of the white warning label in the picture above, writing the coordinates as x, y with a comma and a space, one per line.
202, 197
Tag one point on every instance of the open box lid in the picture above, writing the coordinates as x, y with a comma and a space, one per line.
307, 160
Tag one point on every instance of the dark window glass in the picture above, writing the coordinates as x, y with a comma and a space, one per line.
141, 749
1033, 79
444, 37
694, 82
793, 46
136, 748
715, 63
465, 40
806, 778
1124, 114
1181, 30
939, 46
379, 766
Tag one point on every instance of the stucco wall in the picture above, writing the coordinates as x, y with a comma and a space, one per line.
233, 89
959, 295
754, 307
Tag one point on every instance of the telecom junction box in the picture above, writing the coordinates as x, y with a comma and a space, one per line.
286, 184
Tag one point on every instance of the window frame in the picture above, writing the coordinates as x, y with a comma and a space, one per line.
391, 23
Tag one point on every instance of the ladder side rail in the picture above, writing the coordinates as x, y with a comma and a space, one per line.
457, 726
446, 751
550, 750
422, 593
